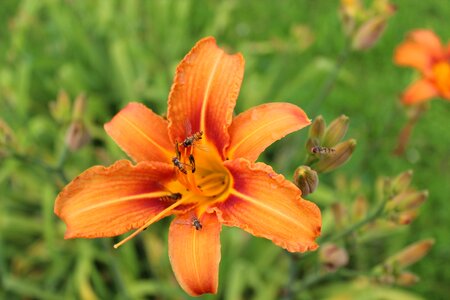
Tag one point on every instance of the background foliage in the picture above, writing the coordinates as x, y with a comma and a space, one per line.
120, 51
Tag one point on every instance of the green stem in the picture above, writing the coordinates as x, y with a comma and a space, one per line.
43, 165
328, 85
310, 280
369, 218
293, 273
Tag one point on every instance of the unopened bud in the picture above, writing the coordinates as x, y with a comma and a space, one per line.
360, 208
6, 134
343, 152
79, 107
410, 254
369, 33
407, 200
335, 131
311, 143
405, 218
60, 108
77, 135
407, 279
401, 182
339, 213
317, 128
333, 257
306, 179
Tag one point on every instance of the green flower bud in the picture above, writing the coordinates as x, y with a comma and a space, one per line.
401, 182
407, 200
343, 152
306, 179
407, 279
335, 131
410, 254
60, 108
317, 128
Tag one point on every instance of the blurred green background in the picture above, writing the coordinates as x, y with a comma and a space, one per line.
121, 51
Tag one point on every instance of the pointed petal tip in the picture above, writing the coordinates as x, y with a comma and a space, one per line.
109, 201
195, 254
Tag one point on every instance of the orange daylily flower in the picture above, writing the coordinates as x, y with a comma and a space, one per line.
424, 51
198, 165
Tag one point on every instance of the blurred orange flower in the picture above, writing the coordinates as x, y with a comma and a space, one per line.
198, 165
424, 51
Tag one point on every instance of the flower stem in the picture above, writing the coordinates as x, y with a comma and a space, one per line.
293, 274
369, 218
328, 85
43, 165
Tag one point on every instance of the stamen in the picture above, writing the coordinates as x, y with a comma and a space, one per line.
192, 162
149, 222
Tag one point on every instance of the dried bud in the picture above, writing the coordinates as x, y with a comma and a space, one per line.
77, 135
333, 257
369, 33
410, 254
335, 131
401, 182
306, 179
407, 279
343, 152
317, 128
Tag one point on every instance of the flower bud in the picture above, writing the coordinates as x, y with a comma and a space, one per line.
407, 200
360, 208
407, 279
343, 152
405, 218
77, 135
335, 131
369, 33
348, 11
6, 134
333, 257
340, 214
401, 182
60, 108
410, 254
306, 179
79, 107
317, 128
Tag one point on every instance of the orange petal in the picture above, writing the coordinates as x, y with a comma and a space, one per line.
265, 204
419, 91
254, 130
195, 254
204, 93
429, 41
141, 133
413, 55
104, 202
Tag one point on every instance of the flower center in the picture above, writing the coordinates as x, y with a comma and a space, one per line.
441, 73
201, 181
201, 173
